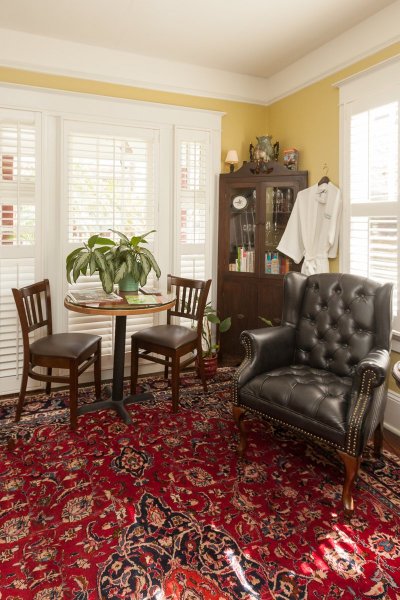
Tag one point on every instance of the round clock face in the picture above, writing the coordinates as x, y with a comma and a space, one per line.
239, 202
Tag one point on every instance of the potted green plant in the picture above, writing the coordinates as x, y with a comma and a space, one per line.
211, 323
127, 262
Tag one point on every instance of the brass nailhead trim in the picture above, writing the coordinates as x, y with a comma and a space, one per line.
367, 380
246, 342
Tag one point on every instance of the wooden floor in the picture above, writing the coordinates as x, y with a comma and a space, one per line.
391, 442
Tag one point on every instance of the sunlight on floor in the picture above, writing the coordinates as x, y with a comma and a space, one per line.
239, 572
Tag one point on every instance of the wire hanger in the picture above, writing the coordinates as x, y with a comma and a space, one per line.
324, 178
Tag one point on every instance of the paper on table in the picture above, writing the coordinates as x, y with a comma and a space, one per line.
142, 299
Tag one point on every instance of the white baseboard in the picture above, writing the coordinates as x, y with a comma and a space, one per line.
392, 413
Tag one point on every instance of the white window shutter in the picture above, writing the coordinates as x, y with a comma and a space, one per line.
193, 203
372, 192
110, 184
19, 223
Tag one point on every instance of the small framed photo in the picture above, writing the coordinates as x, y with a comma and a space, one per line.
291, 158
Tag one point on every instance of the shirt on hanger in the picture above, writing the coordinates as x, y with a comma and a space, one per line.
312, 231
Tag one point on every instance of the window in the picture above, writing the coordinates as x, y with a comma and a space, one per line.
82, 165
110, 184
193, 201
19, 193
370, 161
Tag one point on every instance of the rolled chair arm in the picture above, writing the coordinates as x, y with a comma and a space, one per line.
377, 361
368, 400
265, 349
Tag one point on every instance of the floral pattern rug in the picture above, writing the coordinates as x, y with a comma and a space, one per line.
163, 508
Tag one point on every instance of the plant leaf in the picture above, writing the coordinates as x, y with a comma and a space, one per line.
100, 260
92, 264
107, 282
103, 241
146, 265
92, 241
143, 278
225, 324
72, 255
123, 238
130, 262
136, 270
154, 263
79, 264
120, 273
213, 318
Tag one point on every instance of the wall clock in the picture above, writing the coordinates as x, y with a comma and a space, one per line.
239, 202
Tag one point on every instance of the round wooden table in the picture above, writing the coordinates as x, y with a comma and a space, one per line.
147, 303
396, 373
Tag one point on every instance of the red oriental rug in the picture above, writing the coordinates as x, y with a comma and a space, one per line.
163, 509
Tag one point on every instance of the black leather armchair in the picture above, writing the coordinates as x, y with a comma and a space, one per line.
323, 371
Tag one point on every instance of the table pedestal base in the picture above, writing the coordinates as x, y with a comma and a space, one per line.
117, 405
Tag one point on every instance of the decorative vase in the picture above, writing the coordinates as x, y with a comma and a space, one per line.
128, 284
264, 150
210, 366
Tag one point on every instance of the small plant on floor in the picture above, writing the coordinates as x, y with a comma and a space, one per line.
211, 318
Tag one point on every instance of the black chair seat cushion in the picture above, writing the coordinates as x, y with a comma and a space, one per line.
304, 397
64, 345
169, 336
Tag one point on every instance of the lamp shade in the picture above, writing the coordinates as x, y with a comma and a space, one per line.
232, 158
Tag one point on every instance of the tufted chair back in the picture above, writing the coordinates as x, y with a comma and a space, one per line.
340, 321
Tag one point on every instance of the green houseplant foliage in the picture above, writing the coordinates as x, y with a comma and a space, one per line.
112, 260
211, 318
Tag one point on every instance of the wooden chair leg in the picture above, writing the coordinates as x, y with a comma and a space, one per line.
175, 383
73, 397
351, 466
200, 363
97, 374
378, 440
238, 415
166, 368
48, 384
22, 392
134, 367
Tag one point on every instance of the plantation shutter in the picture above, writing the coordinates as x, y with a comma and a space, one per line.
374, 194
19, 244
193, 203
110, 184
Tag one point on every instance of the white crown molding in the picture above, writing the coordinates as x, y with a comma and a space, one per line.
58, 57
370, 36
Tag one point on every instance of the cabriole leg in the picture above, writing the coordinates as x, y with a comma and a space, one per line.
238, 414
351, 466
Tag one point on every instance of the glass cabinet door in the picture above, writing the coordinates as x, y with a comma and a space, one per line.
242, 229
278, 206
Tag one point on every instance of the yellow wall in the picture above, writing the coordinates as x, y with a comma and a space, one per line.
309, 121
240, 125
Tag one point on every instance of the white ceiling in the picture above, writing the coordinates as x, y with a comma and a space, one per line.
256, 38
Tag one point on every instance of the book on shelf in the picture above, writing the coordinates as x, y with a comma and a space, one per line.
91, 296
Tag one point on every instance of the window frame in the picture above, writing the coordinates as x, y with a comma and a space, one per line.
376, 86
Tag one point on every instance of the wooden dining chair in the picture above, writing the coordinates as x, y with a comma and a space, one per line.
174, 341
74, 352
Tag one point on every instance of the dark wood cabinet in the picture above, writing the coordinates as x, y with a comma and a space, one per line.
253, 211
